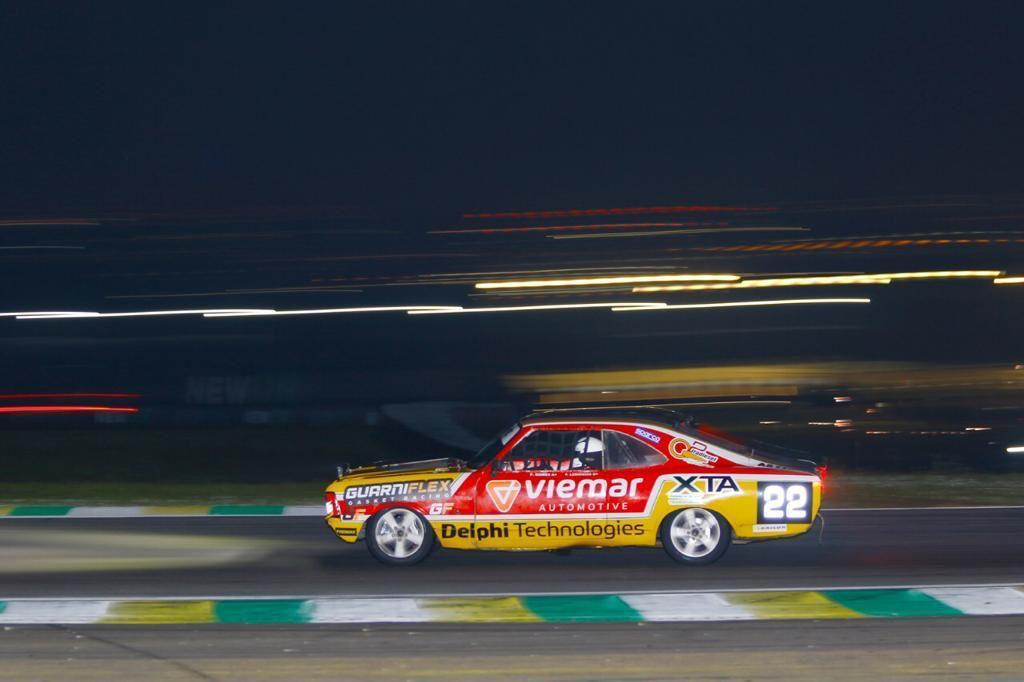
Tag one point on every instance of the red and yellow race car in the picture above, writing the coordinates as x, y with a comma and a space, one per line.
560, 479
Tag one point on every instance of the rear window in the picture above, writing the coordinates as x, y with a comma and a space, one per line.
625, 452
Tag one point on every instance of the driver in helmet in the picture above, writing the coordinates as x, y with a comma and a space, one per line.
587, 455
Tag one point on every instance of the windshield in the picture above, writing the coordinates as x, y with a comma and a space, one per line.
487, 452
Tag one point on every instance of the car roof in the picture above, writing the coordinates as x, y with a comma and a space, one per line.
676, 421
661, 416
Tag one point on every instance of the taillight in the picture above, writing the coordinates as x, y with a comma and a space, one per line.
822, 474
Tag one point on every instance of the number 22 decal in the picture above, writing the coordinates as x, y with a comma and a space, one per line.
783, 502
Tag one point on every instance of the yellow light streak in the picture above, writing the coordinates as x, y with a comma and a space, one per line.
831, 280
943, 274
593, 281
825, 280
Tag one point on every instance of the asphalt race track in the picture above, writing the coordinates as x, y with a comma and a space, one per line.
297, 556
982, 648
300, 557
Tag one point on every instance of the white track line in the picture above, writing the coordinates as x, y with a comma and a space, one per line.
444, 595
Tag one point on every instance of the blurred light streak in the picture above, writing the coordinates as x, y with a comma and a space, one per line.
1015, 449
635, 210
752, 401
43, 222
1008, 280
495, 273
526, 308
555, 228
942, 274
655, 233
50, 409
597, 281
412, 309
744, 304
855, 243
666, 393
827, 280
260, 312
143, 313
46, 313
761, 379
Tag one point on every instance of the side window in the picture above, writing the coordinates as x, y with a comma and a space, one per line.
626, 452
556, 451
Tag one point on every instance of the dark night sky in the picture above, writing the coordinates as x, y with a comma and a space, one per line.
479, 105
168, 156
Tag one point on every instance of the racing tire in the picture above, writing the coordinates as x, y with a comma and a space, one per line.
696, 536
399, 537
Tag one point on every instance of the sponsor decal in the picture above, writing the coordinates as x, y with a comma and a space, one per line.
770, 528
692, 453
647, 435
503, 493
700, 487
440, 508
405, 491
504, 530
568, 488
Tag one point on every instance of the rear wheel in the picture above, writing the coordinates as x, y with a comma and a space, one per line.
696, 536
399, 537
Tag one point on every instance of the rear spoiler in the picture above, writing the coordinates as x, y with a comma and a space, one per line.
381, 465
771, 455
785, 461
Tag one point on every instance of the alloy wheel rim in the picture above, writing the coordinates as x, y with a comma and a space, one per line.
399, 533
695, 533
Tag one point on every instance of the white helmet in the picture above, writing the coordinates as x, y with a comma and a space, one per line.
589, 445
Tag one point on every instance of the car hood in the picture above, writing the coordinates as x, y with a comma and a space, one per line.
404, 470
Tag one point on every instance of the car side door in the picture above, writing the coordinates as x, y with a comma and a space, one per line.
634, 467
539, 493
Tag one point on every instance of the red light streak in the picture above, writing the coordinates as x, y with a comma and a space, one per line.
636, 210
50, 409
556, 228
850, 244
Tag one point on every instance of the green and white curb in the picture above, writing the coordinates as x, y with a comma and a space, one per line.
548, 608
67, 511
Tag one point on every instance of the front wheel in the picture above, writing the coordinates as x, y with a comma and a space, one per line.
696, 536
399, 537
